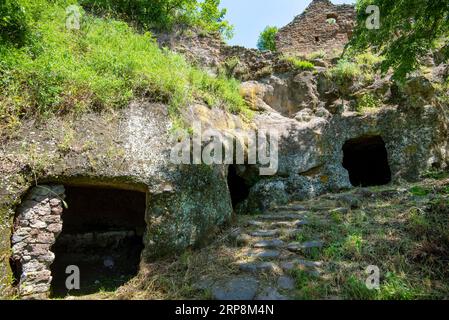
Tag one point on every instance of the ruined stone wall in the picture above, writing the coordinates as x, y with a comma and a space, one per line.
209, 51
37, 225
323, 26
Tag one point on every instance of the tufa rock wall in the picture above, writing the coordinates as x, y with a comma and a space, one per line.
323, 26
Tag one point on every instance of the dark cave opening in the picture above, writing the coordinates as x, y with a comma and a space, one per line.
237, 186
366, 160
102, 236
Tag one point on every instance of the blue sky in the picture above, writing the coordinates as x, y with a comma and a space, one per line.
250, 17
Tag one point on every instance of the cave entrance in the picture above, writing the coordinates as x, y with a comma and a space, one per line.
366, 160
237, 186
101, 235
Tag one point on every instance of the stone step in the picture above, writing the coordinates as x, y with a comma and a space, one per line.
281, 217
264, 233
264, 254
276, 224
269, 244
259, 267
254, 223
290, 265
297, 246
290, 207
288, 224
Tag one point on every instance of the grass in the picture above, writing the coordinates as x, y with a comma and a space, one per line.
299, 64
317, 55
102, 66
408, 242
345, 70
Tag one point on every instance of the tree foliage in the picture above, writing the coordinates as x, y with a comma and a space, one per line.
13, 21
408, 30
267, 39
164, 14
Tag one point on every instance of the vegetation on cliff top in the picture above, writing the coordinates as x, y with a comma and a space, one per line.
408, 31
267, 39
46, 68
164, 14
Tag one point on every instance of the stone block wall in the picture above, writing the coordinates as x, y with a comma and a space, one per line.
36, 227
323, 26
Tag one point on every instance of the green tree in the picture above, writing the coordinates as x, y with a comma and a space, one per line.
408, 30
13, 21
164, 14
267, 39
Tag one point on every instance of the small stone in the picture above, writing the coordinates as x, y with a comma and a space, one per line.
40, 249
39, 276
46, 238
241, 288
274, 243
55, 202
264, 254
16, 238
286, 283
56, 210
25, 231
55, 228
33, 266
43, 210
51, 219
38, 224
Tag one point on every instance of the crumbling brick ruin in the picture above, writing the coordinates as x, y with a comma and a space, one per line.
323, 26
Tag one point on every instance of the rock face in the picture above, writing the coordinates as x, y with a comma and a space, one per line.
38, 224
316, 127
128, 150
323, 26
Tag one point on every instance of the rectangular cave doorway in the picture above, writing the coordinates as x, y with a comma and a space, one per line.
366, 160
238, 186
102, 235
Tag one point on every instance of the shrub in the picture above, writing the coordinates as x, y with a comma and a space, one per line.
345, 70
368, 102
164, 14
13, 21
267, 39
300, 64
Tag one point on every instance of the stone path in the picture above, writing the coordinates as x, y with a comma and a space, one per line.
272, 253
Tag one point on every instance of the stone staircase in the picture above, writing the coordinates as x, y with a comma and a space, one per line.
271, 253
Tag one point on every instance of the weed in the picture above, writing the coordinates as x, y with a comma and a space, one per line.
299, 64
